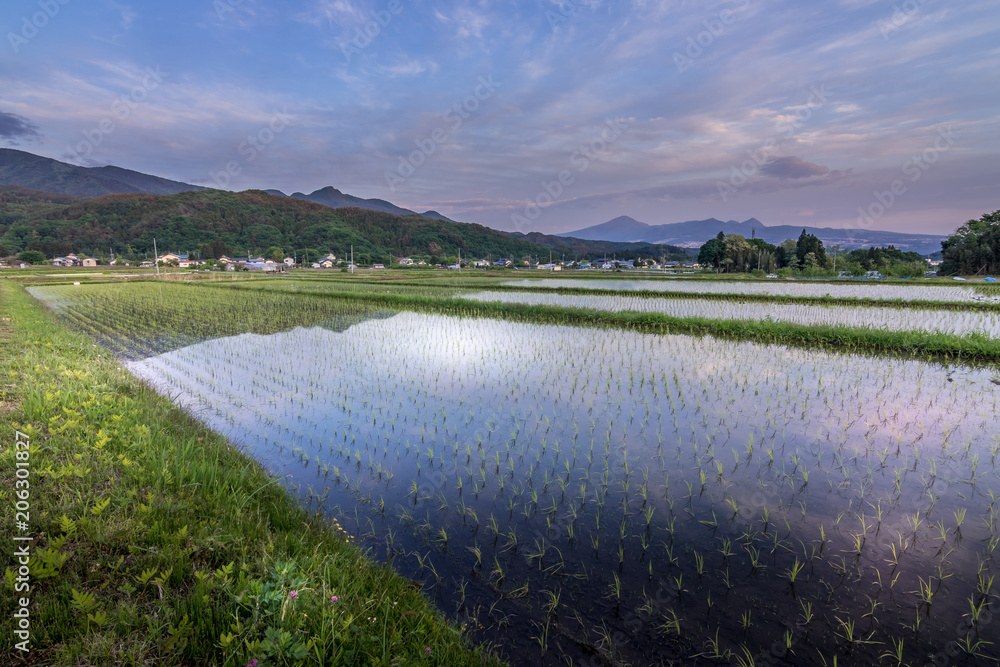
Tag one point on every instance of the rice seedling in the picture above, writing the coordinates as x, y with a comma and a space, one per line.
435, 421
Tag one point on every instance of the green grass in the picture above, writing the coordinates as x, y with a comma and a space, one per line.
157, 543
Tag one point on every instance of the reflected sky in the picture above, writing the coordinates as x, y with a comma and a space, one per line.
656, 450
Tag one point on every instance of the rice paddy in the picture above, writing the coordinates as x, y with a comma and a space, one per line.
603, 496
861, 291
872, 317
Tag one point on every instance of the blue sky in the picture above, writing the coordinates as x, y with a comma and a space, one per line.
547, 116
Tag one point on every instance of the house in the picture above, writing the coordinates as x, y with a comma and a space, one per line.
404, 261
323, 264
550, 267
68, 260
89, 261
378, 266
223, 260
502, 262
261, 266
289, 261
170, 257
481, 264
146, 265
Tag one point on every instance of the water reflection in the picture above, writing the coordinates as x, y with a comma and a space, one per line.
596, 494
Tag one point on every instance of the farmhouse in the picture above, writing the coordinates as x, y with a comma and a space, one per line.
89, 261
404, 261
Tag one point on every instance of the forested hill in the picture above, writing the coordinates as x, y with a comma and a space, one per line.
250, 221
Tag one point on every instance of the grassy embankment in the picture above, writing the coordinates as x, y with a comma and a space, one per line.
156, 542
972, 347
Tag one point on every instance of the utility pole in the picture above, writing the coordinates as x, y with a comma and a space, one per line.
156, 259
352, 259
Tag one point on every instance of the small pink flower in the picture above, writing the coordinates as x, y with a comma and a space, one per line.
252, 663
293, 594
427, 650
333, 598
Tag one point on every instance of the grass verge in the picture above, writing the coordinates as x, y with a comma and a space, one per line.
157, 543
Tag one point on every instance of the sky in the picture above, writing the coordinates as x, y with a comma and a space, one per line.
530, 116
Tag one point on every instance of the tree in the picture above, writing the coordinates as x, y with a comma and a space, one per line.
32, 257
738, 250
785, 254
974, 247
712, 253
274, 253
808, 243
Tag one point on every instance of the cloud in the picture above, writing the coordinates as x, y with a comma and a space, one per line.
14, 128
793, 167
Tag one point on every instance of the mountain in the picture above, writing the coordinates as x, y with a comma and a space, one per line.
572, 248
45, 174
153, 185
434, 215
218, 221
334, 198
693, 233
48, 175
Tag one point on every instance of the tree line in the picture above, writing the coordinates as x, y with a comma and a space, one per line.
734, 253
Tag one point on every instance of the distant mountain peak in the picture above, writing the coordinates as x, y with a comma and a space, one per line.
694, 233
434, 215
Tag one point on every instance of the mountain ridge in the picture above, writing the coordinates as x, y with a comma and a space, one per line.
694, 233
36, 172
